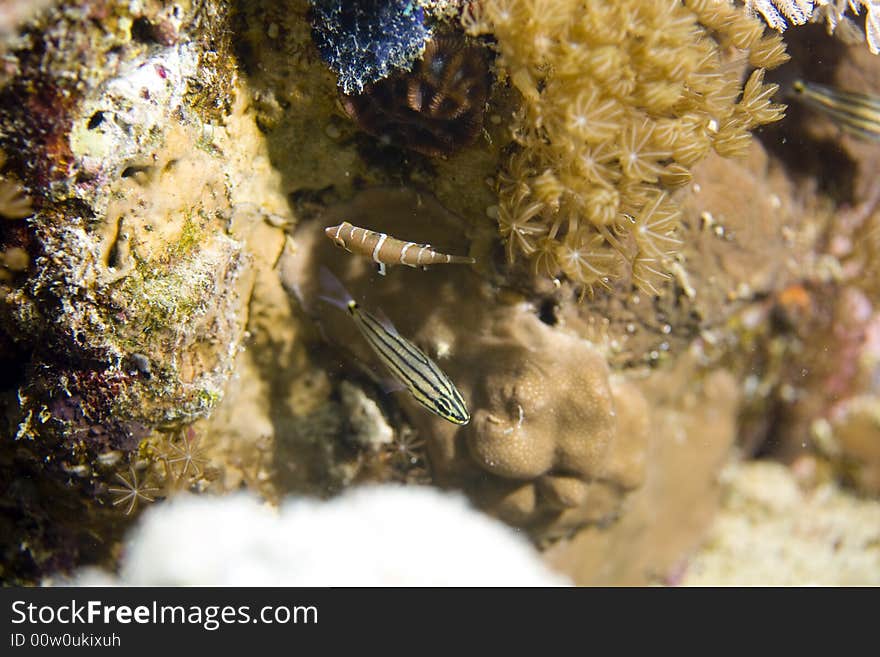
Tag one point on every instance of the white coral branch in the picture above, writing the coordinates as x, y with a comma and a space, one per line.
779, 14
872, 25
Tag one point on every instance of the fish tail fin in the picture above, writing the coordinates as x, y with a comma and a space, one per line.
332, 290
461, 260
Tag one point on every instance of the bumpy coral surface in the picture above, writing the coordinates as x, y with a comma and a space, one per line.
692, 424
619, 101
548, 422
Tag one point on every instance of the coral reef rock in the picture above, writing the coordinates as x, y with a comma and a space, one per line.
161, 163
813, 343
771, 532
135, 283
127, 128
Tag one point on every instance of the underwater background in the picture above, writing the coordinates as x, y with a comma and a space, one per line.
651, 356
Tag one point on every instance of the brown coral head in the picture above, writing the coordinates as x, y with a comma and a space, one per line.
434, 109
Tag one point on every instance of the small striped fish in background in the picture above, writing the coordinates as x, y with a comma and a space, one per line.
858, 114
409, 365
387, 250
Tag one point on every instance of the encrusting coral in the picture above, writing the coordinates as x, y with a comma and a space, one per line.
825, 356
566, 440
693, 423
125, 293
619, 101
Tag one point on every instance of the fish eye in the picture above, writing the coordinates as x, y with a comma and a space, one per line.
443, 407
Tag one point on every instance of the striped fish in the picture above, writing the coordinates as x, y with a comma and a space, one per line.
409, 365
858, 114
387, 250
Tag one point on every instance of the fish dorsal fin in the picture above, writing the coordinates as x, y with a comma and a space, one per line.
386, 323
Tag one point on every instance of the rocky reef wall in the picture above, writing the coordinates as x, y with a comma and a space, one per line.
655, 293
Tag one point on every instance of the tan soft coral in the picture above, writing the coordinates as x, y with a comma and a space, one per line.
619, 101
